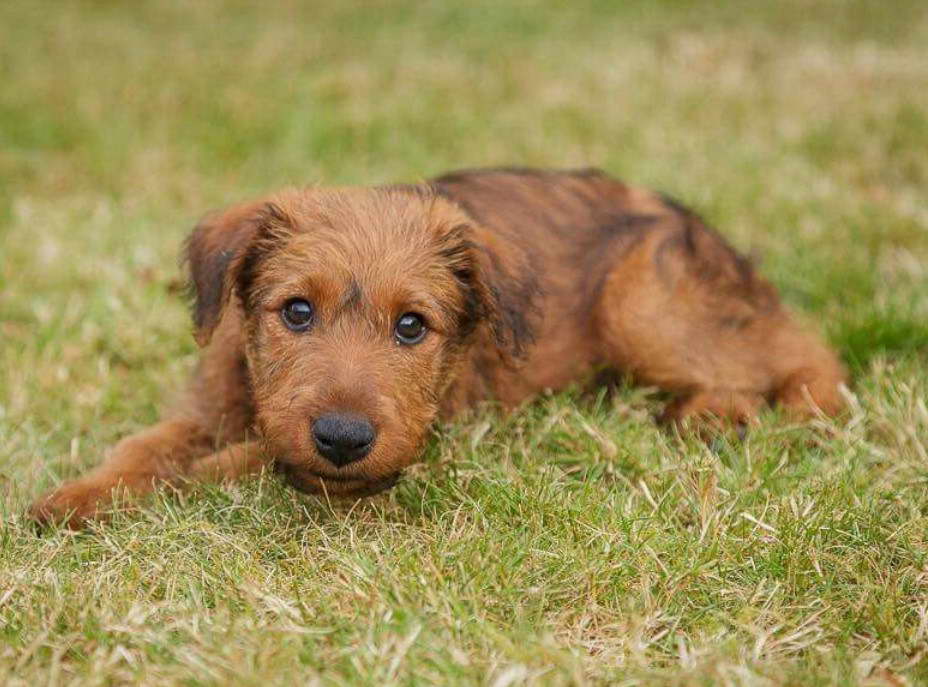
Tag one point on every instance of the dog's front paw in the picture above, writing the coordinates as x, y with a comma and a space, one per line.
73, 504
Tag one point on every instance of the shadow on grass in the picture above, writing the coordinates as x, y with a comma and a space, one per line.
871, 334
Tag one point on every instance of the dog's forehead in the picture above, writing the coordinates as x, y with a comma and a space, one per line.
365, 228
378, 240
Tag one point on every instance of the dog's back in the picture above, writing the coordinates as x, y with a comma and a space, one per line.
630, 279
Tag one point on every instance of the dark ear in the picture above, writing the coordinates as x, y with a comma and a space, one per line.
215, 253
501, 291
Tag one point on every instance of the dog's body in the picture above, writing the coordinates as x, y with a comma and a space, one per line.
338, 324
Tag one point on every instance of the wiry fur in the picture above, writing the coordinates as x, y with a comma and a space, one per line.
527, 279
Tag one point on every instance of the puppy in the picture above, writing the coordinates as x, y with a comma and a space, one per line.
337, 324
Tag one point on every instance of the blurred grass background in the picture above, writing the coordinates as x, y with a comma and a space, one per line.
570, 543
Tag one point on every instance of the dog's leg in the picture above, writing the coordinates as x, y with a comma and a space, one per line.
715, 408
215, 413
684, 312
231, 463
136, 466
809, 377
171, 452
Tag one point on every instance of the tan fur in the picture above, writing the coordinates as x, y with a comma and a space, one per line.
528, 280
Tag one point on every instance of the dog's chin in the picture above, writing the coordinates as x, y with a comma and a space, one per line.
311, 482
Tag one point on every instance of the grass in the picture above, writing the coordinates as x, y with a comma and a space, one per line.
569, 543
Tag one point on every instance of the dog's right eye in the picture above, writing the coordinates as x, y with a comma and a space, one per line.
297, 314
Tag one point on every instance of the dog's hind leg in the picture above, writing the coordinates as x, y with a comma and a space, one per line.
683, 311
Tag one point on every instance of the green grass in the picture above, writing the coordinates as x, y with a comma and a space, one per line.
569, 543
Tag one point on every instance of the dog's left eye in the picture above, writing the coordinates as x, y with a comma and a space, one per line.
297, 314
410, 328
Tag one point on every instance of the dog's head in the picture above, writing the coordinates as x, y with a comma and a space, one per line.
356, 309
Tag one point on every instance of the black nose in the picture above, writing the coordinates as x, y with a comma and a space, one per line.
342, 437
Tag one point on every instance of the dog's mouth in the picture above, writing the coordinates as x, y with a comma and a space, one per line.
313, 482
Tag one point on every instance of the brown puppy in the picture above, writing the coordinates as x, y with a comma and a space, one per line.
338, 324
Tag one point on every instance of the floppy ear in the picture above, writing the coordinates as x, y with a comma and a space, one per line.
215, 253
501, 291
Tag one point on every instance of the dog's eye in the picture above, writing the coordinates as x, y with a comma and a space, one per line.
410, 328
297, 314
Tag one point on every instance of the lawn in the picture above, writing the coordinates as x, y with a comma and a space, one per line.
572, 542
